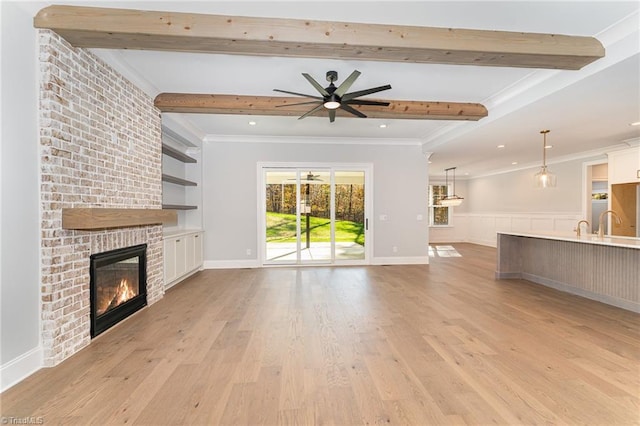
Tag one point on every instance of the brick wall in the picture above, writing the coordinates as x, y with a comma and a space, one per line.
100, 142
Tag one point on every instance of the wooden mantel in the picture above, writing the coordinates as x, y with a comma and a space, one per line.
100, 218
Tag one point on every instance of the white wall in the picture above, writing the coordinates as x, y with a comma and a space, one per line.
514, 192
510, 202
230, 196
20, 352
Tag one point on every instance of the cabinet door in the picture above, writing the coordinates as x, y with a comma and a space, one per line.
190, 251
197, 252
181, 258
169, 261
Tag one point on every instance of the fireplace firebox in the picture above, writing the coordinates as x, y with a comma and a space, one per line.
118, 286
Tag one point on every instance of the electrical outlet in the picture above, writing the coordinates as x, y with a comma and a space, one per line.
248, 252
395, 249
419, 217
384, 217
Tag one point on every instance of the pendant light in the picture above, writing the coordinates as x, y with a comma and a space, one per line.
544, 178
450, 200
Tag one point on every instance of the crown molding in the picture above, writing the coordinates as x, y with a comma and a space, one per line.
620, 41
311, 140
594, 153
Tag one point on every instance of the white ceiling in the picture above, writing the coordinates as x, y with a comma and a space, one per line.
586, 110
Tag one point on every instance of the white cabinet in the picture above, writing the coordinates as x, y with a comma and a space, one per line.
197, 245
169, 260
194, 250
624, 166
182, 255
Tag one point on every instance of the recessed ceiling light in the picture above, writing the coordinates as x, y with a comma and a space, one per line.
383, 126
466, 174
430, 161
252, 123
548, 146
637, 123
514, 162
500, 146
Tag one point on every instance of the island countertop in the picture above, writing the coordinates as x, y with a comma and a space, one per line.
615, 241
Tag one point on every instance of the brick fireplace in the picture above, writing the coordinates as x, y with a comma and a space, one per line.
100, 146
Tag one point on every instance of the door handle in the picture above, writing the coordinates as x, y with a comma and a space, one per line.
366, 224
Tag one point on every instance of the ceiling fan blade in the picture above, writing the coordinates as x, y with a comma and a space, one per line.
315, 84
308, 113
297, 94
352, 95
352, 110
345, 85
365, 102
332, 115
298, 103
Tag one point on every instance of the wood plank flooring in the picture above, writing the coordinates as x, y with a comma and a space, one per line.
437, 344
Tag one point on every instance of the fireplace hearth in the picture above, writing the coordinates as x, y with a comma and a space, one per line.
118, 286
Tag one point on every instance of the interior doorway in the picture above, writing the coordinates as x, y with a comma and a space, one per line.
595, 193
315, 214
624, 201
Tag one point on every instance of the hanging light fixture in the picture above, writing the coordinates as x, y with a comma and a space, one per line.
450, 200
544, 178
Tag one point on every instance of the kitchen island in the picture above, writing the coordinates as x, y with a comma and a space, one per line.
604, 269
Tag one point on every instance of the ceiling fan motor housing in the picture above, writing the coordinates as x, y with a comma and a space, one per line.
332, 76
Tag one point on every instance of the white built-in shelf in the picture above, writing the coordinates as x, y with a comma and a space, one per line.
178, 207
180, 179
177, 180
172, 152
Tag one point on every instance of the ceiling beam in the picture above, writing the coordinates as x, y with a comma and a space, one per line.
272, 105
92, 27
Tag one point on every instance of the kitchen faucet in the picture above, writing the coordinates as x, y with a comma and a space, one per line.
601, 221
578, 227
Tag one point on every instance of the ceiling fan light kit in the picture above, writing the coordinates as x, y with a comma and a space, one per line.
544, 178
333, 98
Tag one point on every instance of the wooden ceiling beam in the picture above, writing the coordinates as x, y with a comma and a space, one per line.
189, 32
271, 105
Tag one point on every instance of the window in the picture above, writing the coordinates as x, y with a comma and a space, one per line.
438, 215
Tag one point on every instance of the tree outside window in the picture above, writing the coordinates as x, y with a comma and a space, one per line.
438, 215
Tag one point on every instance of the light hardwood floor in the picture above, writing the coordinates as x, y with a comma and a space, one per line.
437, 344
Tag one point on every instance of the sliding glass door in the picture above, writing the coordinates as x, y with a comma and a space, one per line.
314, 215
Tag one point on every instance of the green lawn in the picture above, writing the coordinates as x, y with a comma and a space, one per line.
282, 228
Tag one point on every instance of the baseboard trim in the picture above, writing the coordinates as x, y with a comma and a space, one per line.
253, 263
609, 300
231, 264
508, 275
412, 260
20, 368
182, 278
488, 243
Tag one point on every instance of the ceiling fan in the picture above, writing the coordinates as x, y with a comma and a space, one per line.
334, 98
309, 177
